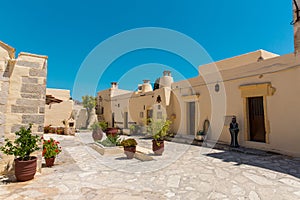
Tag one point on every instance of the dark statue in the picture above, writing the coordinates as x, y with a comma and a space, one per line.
234, 131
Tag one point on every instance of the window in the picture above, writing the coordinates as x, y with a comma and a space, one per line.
141, 114
159, 115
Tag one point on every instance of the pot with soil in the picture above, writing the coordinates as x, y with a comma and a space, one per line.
24, 144
129, 147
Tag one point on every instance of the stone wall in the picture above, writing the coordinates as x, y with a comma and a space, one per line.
6, 62
23, 93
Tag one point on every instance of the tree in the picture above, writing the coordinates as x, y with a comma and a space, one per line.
89, 103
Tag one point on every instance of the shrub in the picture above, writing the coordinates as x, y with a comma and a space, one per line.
111, 141
24, 144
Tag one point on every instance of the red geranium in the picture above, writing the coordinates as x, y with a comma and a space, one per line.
51, 148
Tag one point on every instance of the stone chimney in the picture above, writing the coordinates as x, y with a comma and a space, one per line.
166, 80
114, 85
167, 73
296, 23
146, 87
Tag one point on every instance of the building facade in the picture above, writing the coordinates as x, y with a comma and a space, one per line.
259, 88
23, 95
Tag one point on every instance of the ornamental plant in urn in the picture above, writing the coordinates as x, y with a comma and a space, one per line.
159, 130
129, 147
50, 151
98, 128
24, 144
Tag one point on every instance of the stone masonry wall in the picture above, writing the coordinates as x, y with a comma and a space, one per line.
25, 102
4, 83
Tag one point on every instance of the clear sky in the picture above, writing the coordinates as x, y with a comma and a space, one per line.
67, 31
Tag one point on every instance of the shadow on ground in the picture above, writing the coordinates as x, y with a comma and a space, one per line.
278, 163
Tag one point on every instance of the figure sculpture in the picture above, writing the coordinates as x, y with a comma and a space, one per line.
234, 130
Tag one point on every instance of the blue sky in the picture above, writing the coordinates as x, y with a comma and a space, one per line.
67, 31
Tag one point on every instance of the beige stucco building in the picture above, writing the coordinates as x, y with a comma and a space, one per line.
261, 94
59, 109
123, 108
259, 88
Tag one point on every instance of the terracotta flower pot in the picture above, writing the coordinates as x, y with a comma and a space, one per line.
50, 161
158, 147
111, 131
25, 170
129, 152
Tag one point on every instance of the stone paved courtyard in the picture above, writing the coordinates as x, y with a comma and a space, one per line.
183, 172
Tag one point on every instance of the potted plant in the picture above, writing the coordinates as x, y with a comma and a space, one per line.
159, 130
50, 151
97, 133
200, 135
60, 130
24, 144
112, 131
103, 125
47, 129
129, 147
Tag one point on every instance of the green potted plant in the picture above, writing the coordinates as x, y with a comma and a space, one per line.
60, 130
24, 144
103, 125
200, 135
111, 141
159, 130
47, 129
51, 149
129, 147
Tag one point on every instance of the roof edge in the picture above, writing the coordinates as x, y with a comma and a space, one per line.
9, 48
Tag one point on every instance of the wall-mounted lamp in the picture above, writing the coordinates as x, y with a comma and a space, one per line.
217, 87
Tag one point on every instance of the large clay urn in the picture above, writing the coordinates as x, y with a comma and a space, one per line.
97, 134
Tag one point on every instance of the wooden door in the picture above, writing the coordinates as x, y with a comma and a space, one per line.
125, 119
257, 119
149, 115
191, 108
113, 120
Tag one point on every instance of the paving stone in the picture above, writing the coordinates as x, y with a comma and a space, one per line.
253, 196
258, 179
173, 181
237, 191
290, 182
297, 193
